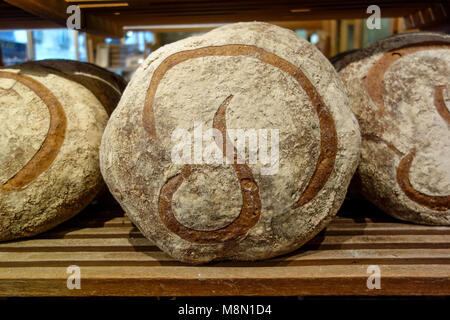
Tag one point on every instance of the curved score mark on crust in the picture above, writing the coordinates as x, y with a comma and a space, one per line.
438, 203
440, 104
374, 81
375, 87
49, 149
377, 139
101, 89
251, 202
328, 142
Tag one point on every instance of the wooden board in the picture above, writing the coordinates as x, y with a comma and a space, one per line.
51, 13
12, 18
116, 260
109, 17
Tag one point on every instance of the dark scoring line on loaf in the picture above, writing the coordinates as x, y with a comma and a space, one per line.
251, 201
53, 141
328, 145
374, 84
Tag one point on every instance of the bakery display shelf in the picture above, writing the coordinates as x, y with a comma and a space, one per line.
116, 260
108, 18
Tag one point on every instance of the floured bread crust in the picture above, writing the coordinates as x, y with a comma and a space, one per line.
241, 76
400, 93
49, 149
105, 85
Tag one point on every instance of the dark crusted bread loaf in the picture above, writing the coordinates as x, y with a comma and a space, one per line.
107, 86
248, 76
49, 143
400, 92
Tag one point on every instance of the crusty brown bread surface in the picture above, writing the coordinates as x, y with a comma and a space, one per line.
107, 86
49, 149
400, 93
247, 76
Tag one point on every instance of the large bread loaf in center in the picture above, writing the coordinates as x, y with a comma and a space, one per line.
169, 157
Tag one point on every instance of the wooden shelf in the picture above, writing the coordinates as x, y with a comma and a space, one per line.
116, 260
109, 17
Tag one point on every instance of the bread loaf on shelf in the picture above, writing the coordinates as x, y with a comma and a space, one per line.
49, 144
186, 99
400, 92
107, 86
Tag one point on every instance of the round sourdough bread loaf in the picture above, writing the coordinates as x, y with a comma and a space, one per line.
168, 154
400, 92
49, 144
107, 86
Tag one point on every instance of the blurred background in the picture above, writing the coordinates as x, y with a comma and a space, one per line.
119, 35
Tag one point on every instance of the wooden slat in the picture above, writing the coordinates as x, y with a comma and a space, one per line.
342, 228
125, 243
434, 15
15, 18
112, 222
209, 280
121, 229
156, 258
137, 18
115, 259
293, 25
68, 245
